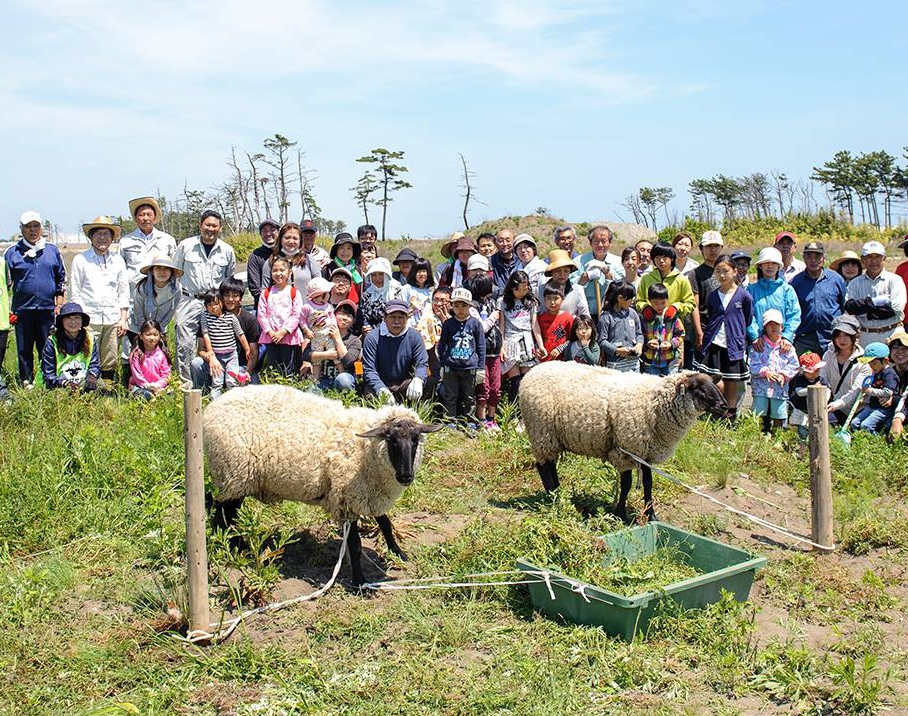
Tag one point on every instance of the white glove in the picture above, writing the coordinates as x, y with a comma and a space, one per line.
414, 390
881, 300
596, 264
480, 377
386, 396
801, 392
593, 274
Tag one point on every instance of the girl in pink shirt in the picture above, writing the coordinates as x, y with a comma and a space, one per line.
149, 361
279, 311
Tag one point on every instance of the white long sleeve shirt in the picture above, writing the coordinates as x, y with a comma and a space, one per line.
202, 271
99, 284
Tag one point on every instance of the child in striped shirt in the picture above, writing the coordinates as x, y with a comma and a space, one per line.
220, 333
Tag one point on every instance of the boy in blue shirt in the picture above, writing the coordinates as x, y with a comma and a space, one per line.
462, 355
876, 414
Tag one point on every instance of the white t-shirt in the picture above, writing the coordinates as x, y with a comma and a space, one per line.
719, 340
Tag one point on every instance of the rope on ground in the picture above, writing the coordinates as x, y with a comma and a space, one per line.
746, 515
223, 630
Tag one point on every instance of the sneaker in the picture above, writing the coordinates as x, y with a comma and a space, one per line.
491, 426
520, 428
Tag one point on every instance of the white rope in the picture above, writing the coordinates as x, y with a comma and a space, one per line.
225, 629
746, 515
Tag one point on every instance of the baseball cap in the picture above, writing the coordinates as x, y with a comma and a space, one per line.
346, 304
873, 247
785, 235
772, 314
28, 217
740, 255
397, 306
873, 351
898, 336
711, 238
269, 222
815, 247
307, 225
461, 295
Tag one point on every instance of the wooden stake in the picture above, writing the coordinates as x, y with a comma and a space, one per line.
196, 549
820, 471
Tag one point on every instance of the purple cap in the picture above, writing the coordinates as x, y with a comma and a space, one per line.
397, 306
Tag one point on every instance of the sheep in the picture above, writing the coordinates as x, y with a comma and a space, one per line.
596, 411
275, 443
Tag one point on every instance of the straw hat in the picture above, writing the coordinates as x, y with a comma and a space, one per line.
142, 201
102, 222
450, 243
559, 258
161, 260
846, 256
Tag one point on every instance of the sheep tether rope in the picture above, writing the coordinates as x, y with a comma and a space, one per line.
746, 515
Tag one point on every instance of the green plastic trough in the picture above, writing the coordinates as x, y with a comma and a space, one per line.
724, 568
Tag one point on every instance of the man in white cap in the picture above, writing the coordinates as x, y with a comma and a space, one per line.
205, 261
598, 268
140, 246
38, 278
702, 283
877, 297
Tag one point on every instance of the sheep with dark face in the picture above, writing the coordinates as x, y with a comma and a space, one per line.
275, 443
596, 411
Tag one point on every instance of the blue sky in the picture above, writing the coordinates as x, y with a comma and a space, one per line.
569, 105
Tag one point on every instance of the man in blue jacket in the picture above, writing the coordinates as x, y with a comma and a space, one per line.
821, 295
395, 362
38, 278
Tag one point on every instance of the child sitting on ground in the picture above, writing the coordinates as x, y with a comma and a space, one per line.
554, 324
875, 415
771, 367
221, 332
663, 333
811, 365
149, 362
620, 332
70, 357
462, 354
583, 347
317, 319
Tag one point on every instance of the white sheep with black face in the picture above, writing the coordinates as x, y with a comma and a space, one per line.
276, 443
597, 411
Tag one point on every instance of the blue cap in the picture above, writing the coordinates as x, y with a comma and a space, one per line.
873, 351
397, 306
740, 255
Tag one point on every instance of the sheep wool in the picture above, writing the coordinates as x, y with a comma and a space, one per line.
276, 443
595, 411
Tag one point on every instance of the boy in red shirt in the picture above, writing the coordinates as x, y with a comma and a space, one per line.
554, 324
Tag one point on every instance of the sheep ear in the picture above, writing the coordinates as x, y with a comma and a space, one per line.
682, 387
379, 432
430, 428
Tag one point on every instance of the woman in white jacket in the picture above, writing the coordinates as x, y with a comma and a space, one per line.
843, 373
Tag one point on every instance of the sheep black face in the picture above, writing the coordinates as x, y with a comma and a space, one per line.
706, 396
402, 440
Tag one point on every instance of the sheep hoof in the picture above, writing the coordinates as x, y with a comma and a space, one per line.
621, 514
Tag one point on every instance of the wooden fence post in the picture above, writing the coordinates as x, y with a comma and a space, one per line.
196, 549
820, 472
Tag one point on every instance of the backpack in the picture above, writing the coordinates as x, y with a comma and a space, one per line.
267, 292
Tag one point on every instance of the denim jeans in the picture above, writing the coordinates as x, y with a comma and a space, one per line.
32, 330
341, 382
201, 373
663, 370
873, 420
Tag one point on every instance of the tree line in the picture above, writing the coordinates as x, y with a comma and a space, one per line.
854, 184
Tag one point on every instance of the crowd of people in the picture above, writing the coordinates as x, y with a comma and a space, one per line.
466, 331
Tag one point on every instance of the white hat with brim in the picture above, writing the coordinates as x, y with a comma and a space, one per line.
28, 217
136, 204
769, 255
772, 315
379, 265
101, 222
524, 239
163, 262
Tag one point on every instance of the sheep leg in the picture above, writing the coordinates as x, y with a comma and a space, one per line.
384, 524
549, 475
355, 547
225, 513
627, 479
648, 493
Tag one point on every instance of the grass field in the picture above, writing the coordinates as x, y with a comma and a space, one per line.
90, 557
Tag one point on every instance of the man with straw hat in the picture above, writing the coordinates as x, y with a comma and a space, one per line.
98, 281
138, 247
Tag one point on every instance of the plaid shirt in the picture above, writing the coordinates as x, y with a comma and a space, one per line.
667, 327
